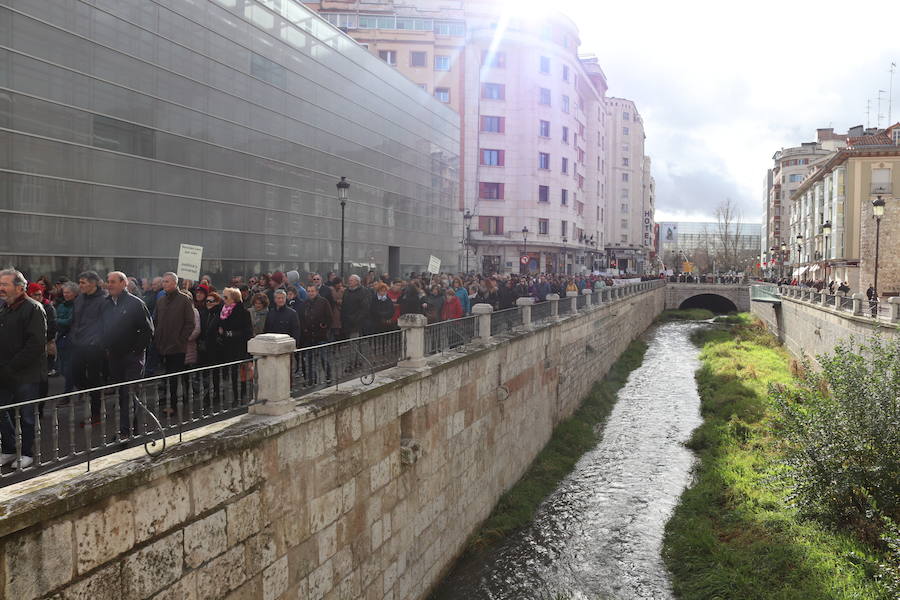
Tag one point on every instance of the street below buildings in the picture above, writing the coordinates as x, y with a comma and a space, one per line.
600, 533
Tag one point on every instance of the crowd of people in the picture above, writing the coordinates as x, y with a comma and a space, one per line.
92, 331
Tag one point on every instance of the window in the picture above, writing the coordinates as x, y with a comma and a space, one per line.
113, 134
564, 228
490, 191
492, 124
881, 181
442, 94
626, 116
496, 59
565, 103
545, 64
493, 91
624, 131
624, 176
492, 158
565, 41
624, 238
491, 225
388, 56
625, 162
565, 134
546, 32
624, 207
543, 160
565, 165
454, 28
544, 226
624, 192
624, 223
565, 72
564, 197
543, 193
544, 129
418, 59
268, 71
795, 178
545, 96
626, 148
441, 63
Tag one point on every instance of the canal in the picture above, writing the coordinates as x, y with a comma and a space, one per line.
599, 534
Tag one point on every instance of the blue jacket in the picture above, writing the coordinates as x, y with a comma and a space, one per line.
463, 296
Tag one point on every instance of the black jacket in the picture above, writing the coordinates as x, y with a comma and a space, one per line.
87, 322
23, 343
317, 318
283, 320
127, 326
50, 311
235, 332
355, 309
382, 313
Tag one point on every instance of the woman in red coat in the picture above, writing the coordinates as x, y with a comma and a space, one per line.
452, 308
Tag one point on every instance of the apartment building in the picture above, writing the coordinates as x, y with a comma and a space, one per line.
534, 120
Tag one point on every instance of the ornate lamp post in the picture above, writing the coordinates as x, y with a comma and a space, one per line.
878, 212
467, 218
525, 248
826, 231
799, 249
565, 268
343, 189
783, 257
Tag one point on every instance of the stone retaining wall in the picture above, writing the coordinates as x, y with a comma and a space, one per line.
367, 492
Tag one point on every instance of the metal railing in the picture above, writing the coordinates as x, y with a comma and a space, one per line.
582, 301
445, 335
846, 303
325, 365
540, 311
503, 321
564, 306
76, 427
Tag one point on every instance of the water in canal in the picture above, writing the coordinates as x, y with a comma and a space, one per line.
599, 535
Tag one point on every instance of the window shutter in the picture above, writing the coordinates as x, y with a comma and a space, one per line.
482, 189
499, 225
500, 192
500, 158
502, 124
503, 92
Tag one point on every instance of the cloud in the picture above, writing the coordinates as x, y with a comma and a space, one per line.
722, 87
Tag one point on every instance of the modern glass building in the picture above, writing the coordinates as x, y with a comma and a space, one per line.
128, 127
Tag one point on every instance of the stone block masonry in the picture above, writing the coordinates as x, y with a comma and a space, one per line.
319, 502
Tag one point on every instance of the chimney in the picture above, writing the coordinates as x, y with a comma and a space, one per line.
856, 131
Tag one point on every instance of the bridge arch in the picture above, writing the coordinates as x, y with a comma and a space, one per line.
717, 303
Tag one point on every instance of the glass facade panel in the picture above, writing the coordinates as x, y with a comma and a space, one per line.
227, 127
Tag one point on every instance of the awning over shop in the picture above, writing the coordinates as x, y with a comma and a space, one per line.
802, 271
796, 273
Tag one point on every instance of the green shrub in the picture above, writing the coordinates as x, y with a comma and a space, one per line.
841, 426
690, 314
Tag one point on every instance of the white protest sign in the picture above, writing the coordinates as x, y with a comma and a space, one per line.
434, 264
189, 258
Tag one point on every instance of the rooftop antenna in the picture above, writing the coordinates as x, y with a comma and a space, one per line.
878, 115
891, 92
868, 110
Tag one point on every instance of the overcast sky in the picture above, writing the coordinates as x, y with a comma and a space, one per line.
723, 85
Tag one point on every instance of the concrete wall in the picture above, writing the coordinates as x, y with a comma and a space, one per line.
807, 329
321, 502
676, 293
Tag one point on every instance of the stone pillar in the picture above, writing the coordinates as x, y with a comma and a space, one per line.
525, 305
413, 327
894, 305
823, 297
858, 300
483, 312
573, 298
590, 296
273, 372
837, 300
553, 299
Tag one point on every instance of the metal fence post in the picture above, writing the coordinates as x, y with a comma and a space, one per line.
273, 352
525, 305
483, 311
857, 303
413, 327
554, 306
572, 297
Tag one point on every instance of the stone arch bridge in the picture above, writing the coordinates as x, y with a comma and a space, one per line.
713, 296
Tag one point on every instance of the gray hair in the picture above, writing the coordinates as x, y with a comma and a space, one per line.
18, 279
172, 275
89, 276
72, 287
280, 292
352, 277
119, 275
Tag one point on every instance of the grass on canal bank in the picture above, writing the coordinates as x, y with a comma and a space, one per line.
687, 314
735, 534
570, 440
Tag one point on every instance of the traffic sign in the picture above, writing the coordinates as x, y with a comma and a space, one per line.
524, 260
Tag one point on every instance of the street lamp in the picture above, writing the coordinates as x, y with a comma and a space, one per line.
783, 257
565, 268
467, 218
343, 188
799, 249
525, 248
878, 212
826, 231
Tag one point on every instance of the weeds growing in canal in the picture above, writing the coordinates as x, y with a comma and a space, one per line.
736, 534
571, 439
688, 314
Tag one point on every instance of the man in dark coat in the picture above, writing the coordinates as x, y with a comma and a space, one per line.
356, 308
174, 324
86, 336
317, 318
127, 331
282, 318
23, 358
